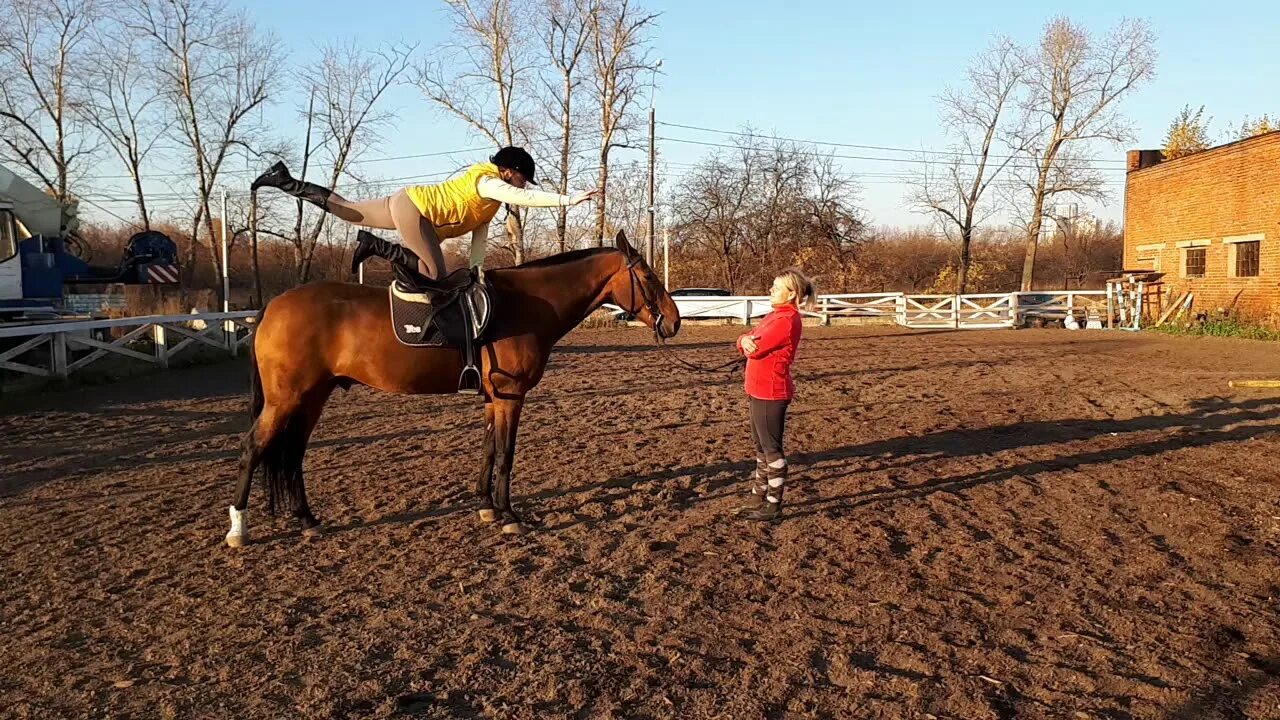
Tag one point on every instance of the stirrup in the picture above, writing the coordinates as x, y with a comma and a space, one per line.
467, 388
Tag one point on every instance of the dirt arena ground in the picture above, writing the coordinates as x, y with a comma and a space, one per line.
1003, 524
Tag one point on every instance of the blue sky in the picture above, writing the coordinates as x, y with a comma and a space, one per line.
832, 71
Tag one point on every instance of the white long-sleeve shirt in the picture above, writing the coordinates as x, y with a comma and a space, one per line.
498, 189
504, 192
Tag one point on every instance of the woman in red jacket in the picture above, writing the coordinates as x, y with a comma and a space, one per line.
770, 350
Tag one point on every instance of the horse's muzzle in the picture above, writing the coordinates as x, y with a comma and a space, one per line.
660, 327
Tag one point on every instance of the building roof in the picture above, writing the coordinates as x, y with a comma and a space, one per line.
1263, 139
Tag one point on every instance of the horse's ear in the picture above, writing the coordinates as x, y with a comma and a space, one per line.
620, 241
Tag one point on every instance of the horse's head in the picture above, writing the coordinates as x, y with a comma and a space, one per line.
636, 289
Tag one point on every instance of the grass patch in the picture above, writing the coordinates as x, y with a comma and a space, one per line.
1221, 327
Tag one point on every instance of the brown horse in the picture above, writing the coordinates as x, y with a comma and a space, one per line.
317, 337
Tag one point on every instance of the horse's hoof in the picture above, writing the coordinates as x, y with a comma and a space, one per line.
514, 528
237, 541
488, 515
312, 532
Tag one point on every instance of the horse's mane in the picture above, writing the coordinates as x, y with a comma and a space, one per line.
563, 258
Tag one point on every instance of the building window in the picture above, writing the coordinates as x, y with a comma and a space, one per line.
1148, 256
1247, 258
1194, 267
1150, 262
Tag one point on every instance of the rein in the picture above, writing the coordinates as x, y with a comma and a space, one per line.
729, 367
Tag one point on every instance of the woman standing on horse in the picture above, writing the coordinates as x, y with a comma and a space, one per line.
426, 214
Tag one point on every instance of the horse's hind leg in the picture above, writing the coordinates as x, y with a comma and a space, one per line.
484, 481
256, 441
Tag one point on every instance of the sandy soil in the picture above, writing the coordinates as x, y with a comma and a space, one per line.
1003, 524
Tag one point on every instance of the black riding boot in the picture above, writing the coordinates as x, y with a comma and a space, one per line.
369, 245
278, 177
404, 262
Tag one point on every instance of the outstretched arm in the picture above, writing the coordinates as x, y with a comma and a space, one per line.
496, 189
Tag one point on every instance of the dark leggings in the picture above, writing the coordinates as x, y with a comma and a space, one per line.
768, 421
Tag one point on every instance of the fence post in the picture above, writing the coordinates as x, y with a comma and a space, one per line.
955, 311
746, 312
229, 330
59, 340
826, 311
901, 303
1137, 315
162, 345
1013, 310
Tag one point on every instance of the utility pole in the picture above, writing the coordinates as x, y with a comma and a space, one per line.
666, 258
226, 277
652, 254
653, 158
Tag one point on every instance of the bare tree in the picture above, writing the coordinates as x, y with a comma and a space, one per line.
350, 85
956, 193
482, 77
567, 39
832, 217
714, 200
1073, 82
216, 69
43, 49
777, 186
765, 204
122, 102
620, 54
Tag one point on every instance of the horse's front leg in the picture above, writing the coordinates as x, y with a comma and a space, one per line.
506, 425
484, 481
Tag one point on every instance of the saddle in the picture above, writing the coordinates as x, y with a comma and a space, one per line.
452, 312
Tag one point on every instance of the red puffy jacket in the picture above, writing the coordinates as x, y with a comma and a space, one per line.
768, 375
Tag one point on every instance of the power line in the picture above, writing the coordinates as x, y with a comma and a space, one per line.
121, 219
388, 158
859, 157
251, 172
887, 148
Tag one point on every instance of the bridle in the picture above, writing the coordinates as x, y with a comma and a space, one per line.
655, 312
649, 303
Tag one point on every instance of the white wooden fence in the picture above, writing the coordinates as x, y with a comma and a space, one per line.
50, 349
58, 350
989, 310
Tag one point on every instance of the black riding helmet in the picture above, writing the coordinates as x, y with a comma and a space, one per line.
514, 158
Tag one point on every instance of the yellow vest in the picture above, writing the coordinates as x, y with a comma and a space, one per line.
455, 207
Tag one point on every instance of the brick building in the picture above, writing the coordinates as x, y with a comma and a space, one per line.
1210, 222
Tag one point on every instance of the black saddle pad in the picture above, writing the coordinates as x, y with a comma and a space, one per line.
419, 323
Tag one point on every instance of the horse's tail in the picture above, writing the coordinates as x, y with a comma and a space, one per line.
281, 461
282, 464
256, 398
